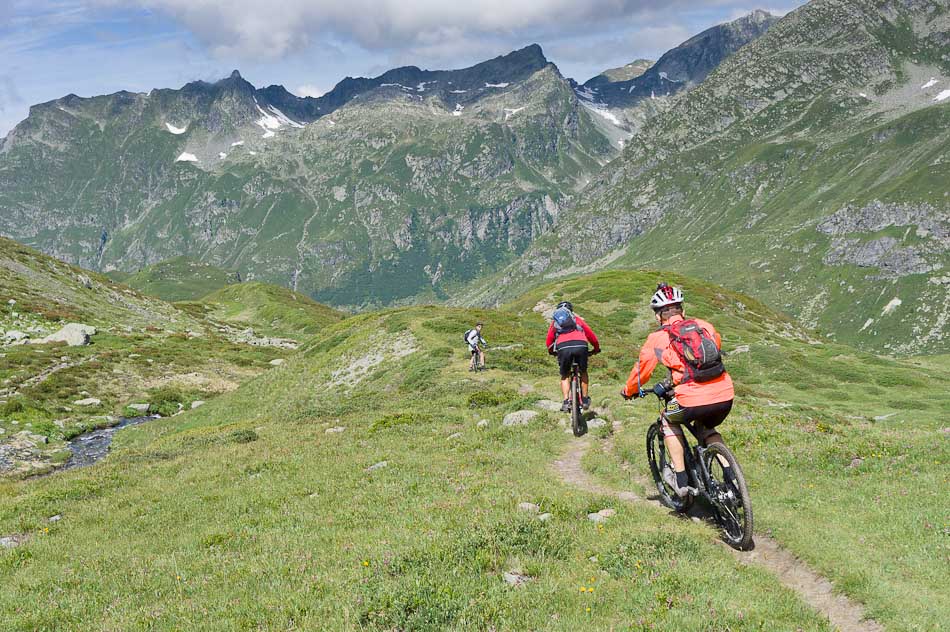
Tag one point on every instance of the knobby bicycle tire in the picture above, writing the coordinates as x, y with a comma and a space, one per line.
735, 518
576, 426
656, 456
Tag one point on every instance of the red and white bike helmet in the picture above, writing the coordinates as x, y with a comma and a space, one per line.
666, 295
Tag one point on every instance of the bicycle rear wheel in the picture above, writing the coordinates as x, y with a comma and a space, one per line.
732, 504
656, 456
578, 427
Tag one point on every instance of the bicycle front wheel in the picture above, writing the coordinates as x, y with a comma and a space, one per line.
656, 456
731, 502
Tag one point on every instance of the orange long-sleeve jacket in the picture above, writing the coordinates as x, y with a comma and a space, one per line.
657, 350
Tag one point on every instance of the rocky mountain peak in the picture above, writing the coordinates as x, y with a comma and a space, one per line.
683, 67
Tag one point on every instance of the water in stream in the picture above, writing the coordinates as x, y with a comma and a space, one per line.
91, 446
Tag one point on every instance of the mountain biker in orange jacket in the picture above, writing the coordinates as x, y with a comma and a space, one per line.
706, 404
570, 345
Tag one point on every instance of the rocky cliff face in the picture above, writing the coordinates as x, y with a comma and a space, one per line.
809, 168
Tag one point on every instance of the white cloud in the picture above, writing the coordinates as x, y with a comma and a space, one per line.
274, 29
308, 90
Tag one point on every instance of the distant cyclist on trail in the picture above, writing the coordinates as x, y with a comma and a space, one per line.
568, 337
702, 390
476, 345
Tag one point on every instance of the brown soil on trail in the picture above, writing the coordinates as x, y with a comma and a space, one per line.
844, 614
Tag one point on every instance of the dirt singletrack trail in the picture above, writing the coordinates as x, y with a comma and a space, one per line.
844, 614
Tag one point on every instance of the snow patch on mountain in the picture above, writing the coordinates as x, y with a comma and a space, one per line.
942, 96
509, 112
458, 91
890, 307
929, 84
600, 109
186, 157
497, 85
237, 143
458, 109
586, 93
175, 130
273, 120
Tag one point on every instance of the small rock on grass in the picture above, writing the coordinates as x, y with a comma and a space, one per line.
548, 405
141, 408
513, 578
377, 466
12, 541
483, 423
197, 403
601, 516
277, 361
856, 462
545, 517
335, 429
529, 507
55, 518
455, 435
89, 401
596, 422
519, 418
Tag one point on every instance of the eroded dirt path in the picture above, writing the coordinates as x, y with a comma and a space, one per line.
844, 614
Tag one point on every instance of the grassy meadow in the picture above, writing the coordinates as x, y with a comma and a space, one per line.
358, 487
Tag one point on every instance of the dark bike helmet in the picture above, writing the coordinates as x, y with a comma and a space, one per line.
566, 304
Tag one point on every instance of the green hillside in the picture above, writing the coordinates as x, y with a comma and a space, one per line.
180, 279
369, 483
144, 351
808, 170
269, 309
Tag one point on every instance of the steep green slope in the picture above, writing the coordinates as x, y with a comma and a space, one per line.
356, 488
808, 169
45, 294
269, 309
144, 351
404, 191
180, 279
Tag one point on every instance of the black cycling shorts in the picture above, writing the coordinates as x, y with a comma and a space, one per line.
704, 418
566, 357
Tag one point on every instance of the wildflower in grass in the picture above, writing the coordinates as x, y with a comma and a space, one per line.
365, 563
583, 589
588, 609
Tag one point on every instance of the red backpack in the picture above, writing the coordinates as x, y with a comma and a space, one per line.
702, 361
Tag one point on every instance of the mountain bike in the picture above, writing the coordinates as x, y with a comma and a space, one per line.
475, 365
578, 423
731, 505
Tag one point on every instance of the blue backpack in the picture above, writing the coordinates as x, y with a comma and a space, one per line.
564, 320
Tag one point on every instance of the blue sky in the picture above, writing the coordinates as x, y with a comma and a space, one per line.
50, 48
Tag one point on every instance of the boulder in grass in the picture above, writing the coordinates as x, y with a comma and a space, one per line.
140, 408
16, 337
89, 401
519, 418
73, 334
